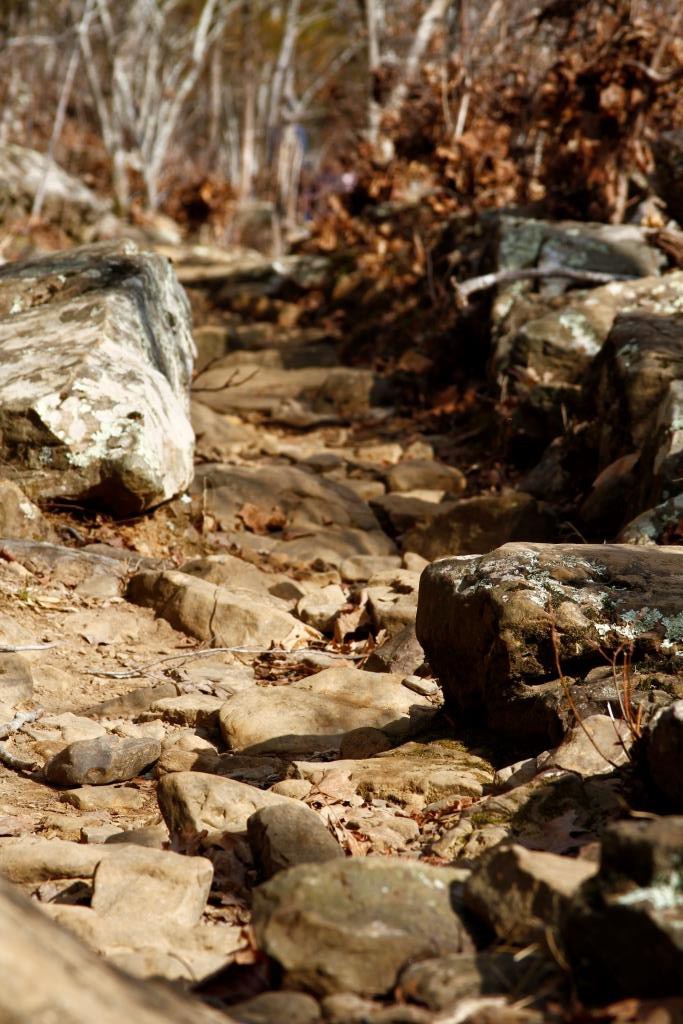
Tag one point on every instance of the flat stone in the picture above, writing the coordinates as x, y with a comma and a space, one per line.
227, 617
33, 859
477, 525
316, 712
412, 775
519, 892
362, 567
486, 626
194, 802
104, 798
99, 409
199, 710
161, 889
321, 607
101, 760
284, 835
351, 925
595, 747
414, 474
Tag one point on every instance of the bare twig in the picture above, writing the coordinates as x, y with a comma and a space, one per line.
464, 289
19, 721
20, 648
230, 382
570, 700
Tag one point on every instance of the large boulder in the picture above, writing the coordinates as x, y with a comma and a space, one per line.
351, 925
501, 629
556, 329
623, 934
94, 397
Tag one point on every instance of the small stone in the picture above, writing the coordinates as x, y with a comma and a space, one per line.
276, 1008
425, 687
101, 760
320, 608
99, 833
289, 834
401, 653
297, 789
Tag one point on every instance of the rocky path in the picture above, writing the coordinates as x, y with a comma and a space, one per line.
226, 761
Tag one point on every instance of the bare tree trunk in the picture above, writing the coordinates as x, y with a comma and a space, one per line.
429, 22
249, 123
374, 18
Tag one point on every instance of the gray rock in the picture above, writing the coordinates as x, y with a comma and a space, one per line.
400, 653
441, 982
19, 517
519, 893
412, 775
477, 525
102, 760
159, 889
622, 933
351, 925
277, 1007
664, 750
334, 522
228, 617
282, 836
558, 331
321, 607
486, 627
194, 802
99, 409
315, 713
424, 474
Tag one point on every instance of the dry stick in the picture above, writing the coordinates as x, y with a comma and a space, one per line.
463, 289
570, 700
20, 648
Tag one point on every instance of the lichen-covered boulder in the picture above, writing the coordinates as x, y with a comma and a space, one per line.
500, 629
555, 328
96, 354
